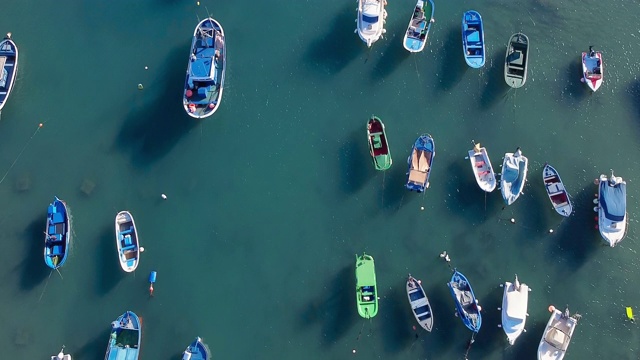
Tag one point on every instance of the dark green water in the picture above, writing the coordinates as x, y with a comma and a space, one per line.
270, 199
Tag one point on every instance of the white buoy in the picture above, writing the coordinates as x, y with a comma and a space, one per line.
353, 351
550, 231
146, 68
421, 207
140, 87
164, 197
513, 221
141, 249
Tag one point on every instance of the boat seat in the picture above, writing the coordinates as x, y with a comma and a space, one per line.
127, 240
126, 231
480, 163
52, 230
56, 250
127, 248
58, 218
473, 36
377, 142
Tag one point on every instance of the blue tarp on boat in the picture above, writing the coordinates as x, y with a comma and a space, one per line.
613, 200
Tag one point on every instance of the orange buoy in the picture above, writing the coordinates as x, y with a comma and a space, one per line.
192, 107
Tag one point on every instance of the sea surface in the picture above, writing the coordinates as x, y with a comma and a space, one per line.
269, 200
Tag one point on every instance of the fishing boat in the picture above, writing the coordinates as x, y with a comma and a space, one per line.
556, 191
198, 350
205, 72
514, 176
418, 30
514, 309
516, 60
612, 208
473, 39
420, 161
378, 146
467, 306
57, 234
557, 335
366, 289
481, 167
124, 340
419, 303
371, 19
61, 356
127, 241
592, 69
8, 68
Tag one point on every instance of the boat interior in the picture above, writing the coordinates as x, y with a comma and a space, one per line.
592, 66
419, 166
558, 334
379, 143
482, 167
367, 294
418, 25
472, 35
613, 201
419, 299
56, 232
516, 60
206, 69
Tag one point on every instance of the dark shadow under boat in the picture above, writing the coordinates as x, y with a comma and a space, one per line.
495, 88
108, 270
453, 66
393, 54
354, 162
33, 269
397, 320
573, 90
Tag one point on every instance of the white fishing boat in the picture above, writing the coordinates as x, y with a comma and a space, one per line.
612, 208
556, 191
514, 309
419, 303
61, 356
514, 176
127, 241
371, 19
482, 169
557, 335
415, 38
8, 68
592, 69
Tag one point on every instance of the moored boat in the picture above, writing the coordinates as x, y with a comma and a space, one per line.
57, 234
61, 356
514, 309
556, 191
612, 208
415, 38
514, 176
127, 241
516, 60
557, 335
419, 303
366, 288
205, 72
371, 19
467, 306
420, 161
378, 146
592, 69
198, 350
124, 340
473, 39
482, 169
8, 68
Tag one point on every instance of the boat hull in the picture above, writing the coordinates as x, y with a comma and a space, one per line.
420, 162
124, 340
556, 191
378, 145
198, 350
57, 234
370, 21
127, 241
467, 306
515, 300
420, 306
473, 39
514, 176
366, 287
8, 68
592, 70
556, 336
482, 169
516, 61
612, 210
415, 38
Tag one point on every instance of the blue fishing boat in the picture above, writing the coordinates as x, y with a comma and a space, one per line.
197, 351
420, 160
473, 39
124, 341
8, 67
205, 72
57, 234
417, 32
466, 304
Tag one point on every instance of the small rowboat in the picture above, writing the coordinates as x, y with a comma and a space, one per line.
473, 39
127, 241
420, 161
592, 69
366, 289
557, 335
516, 60
419, 303
378, 146
482, 169
124, 340
556, 191
8, 68
57, 234
61, 356
198, 350
467, 306
415, 38
514, 176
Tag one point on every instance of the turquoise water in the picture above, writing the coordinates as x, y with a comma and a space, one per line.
270, 199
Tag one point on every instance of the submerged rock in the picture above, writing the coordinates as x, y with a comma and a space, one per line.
87, 187
23, 183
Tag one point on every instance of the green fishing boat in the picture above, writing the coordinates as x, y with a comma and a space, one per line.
378, 146
366, 292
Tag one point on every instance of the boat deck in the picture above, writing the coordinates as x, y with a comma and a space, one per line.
592, 66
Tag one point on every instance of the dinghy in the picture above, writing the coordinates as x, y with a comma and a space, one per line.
514, 309
612, 209
198, 350
482, 169
57, 234
61, 356
557, 335
419, 303
124, 340
473, 39
418, 30
127, 241
8, 68
205, 72
366, 289
556, 191
420, 161
371, 19
592, 69
516, 60
467, 306
514, 176
378, 146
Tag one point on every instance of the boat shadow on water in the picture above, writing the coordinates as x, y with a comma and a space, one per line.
634, 97
448, 331
573, 90
334, 50
397, 320
355, 162
33, 269
527, 343
393, 191
109, 271
467, 197
495, 88
94, 349
453, 66
490, 338
156, 125
392, 55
